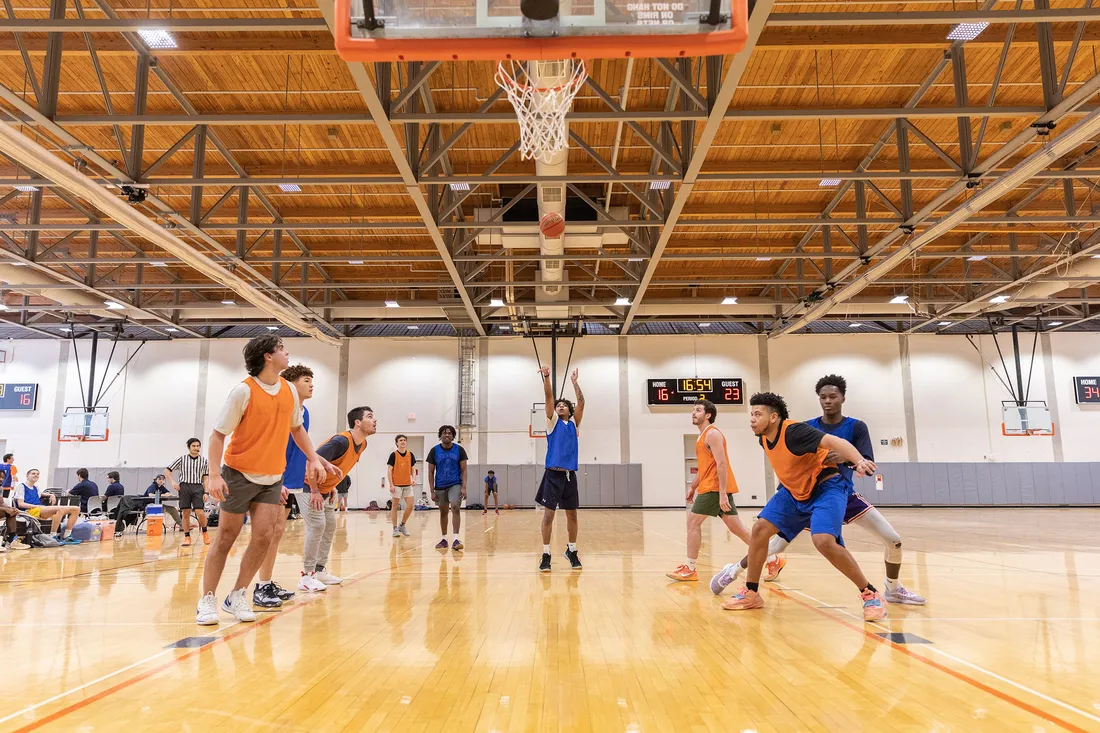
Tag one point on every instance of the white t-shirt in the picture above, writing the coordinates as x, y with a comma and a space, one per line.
233, 410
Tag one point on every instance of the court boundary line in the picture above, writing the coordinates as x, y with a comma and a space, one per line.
149, 674
1027, 707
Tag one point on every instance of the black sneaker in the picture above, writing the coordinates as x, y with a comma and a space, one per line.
574, 561
544, 566
281, 592
264, 596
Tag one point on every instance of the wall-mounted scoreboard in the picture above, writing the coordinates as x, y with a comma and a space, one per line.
1087, 390
18, 396
688, 391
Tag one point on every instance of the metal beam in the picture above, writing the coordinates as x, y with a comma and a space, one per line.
170, 24
408, 175
949, 17
718, 108
1060, 145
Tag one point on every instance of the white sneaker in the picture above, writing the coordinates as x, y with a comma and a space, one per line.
207, 612
327, 578
239, 606
396, 533
3, 546
310, 584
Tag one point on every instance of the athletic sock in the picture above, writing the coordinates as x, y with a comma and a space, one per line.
571, 546
690, 563
546, 549
262, 583
457, 539
891, 585
754, 587
770, 558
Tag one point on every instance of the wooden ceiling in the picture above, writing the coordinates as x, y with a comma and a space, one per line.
812, 101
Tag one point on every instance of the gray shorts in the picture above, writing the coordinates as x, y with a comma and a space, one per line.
243, 493
191, 496
448, 494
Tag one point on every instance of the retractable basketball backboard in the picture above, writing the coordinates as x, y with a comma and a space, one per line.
1030, 418
80, 425
537, 428
495, 30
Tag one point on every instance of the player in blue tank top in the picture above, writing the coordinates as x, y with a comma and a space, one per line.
831, 392
558, 489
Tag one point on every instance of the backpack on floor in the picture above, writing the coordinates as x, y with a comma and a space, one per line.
42, 540
82, 531
373, 507
212, 518
475, 505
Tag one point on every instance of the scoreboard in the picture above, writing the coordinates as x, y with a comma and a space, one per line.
18, 396
688, 391
1087, 390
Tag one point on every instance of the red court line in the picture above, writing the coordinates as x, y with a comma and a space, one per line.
936, 665
79, 704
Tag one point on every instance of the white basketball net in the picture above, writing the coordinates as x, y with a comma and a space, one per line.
542, 94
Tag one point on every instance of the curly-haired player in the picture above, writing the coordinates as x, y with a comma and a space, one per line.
813, 494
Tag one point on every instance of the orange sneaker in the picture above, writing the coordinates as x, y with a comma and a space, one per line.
873, 606
683, 573
186, 540
773, 568
744, 600
206, 538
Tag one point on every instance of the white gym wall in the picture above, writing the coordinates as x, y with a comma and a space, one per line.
956, 407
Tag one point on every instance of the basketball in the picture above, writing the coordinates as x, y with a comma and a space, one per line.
552, 225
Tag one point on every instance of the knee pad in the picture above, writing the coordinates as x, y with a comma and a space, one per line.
893, 552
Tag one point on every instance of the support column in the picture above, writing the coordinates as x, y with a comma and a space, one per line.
482, 401
58, 409
765, 386
242, 219
907, 397
342, 382
200, 391
624, 400
197, 167
137, 132
1052, 396
51, 67
962, 99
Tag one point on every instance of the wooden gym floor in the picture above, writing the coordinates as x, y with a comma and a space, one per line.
419, 640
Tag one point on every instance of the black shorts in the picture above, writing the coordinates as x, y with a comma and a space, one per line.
490, 490
190, 496
558, 490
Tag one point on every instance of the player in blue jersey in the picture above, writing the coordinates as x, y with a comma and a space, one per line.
558, 489
831, 391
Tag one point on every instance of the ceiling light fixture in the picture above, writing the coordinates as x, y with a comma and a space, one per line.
505, 328
66, 328
158, 263
25, 187
613, 325
966, 31
496, 303
635, 259
975, 258
763, 259
172, 330
413, 328
290, 188
945, 323
829, 182
157, 38
114, 305
999, 299
1055, 323
229, 302
729, 301
622, 301
460, 186
659, 185
704, 325
392, 304
355, 262
899, 299
272, 328
855, 325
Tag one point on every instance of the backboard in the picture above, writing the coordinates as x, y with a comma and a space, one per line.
537, 428
1030, 418
495, 30
79, 425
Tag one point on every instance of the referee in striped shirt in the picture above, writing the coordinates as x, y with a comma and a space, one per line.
193, 470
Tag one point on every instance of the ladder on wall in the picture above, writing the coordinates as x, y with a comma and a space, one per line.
467, 363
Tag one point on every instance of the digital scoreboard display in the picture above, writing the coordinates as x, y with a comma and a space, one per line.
1087, 390
18, 396
720, 391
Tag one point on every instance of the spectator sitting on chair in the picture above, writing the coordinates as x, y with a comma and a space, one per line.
114, 488
85, 489
25, 498
157, 488
422, 502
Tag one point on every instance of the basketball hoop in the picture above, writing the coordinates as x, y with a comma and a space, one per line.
540, 105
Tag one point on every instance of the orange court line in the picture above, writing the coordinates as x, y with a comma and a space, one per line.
936, 665
80, 704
